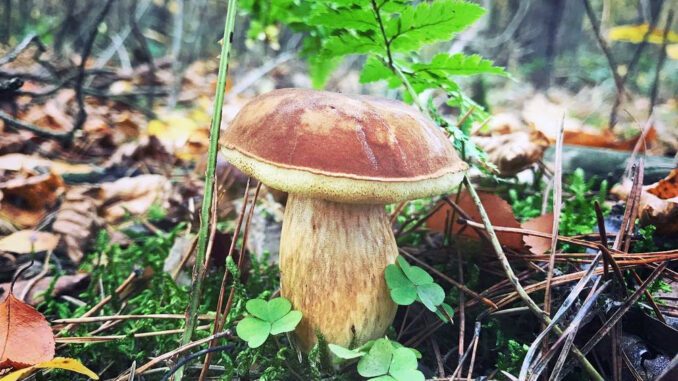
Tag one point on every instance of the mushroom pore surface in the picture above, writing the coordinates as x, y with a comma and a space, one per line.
332, 261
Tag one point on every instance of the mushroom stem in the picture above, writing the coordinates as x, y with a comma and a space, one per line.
332, 261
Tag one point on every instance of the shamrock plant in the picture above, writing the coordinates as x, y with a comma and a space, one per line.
409, 283
267, 318
383, 360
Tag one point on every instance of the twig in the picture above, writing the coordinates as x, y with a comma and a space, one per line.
660, 62
636, 56
23, 45
619, 83
192, 310
173, 353
87, 50
35, 279
98, 319
123, 286
557, 205
222, 313
453, 282
104, 339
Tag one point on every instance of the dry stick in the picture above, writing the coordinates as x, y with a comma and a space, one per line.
98, 319
588, 367
636, 55
574, 241
79, 94
133, 276
142, 369
218, 319
210, 175
622, 310
222, 314
103, 339
571, 331
473, 356
453, 282
619, 83
476, 333
662, 59
31, 283
557, 205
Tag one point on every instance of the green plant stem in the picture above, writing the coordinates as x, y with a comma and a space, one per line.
200, 266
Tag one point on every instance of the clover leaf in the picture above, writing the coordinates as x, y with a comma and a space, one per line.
389, 361
267, 318
408, 283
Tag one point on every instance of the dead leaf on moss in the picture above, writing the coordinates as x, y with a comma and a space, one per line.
658, 203
513, 152
133, 195
498, 210
64, 285
543, 224
29, 241
27, 336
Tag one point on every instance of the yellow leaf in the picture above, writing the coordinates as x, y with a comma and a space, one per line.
672, 51
635, 34
56, 363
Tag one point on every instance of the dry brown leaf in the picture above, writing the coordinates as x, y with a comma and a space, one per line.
498, 210
27, 199
25, 336
658, 203
133, 195
604, 139
544, 224
64, 285
513, 152
18, 162
76, 221
29, 241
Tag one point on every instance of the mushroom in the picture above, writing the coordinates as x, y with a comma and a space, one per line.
341, 159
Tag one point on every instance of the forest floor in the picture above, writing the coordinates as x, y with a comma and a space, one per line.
98, 221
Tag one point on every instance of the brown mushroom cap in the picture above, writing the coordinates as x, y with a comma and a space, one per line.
342, 148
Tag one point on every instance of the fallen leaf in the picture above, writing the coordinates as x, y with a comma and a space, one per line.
133, 195
604, 138
636, 33
511, 153
57, 363
76, 221
27, 199
18, 162
658, 203
64, 285
498, 210
29, 241
26, 337
544, 224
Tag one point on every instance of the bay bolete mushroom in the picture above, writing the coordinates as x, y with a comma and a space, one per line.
341, 159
